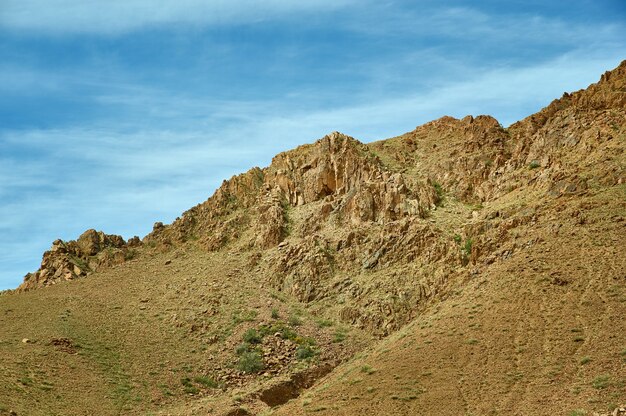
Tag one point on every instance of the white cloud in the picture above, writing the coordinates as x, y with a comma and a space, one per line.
119, 16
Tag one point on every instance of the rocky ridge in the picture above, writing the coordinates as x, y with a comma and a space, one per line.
374, 236
322, 210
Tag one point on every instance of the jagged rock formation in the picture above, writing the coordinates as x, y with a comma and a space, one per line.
323, 210
70, 260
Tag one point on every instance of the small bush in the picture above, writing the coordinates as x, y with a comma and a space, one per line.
367, 369
304, 352
585, 360
324, 323
188, 385
206, 381
241, 348
600, 382
280, 328
457, 239
26, 381
250, 362
339, 336
467, 248
295, 320
275, 314
438, 190
534, 164
251, 336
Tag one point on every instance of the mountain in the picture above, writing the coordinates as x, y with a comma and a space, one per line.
461, 268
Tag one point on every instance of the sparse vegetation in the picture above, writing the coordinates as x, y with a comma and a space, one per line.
295, 320
250, 362
324, 323
339, 336
252, 336
367, 369
534, 164
188, 386
600, 382
206, 381
439, 193
467, 248
304, 352
245, 316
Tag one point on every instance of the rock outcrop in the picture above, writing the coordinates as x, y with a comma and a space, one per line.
70, 260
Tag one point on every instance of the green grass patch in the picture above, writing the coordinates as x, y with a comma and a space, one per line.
339, 336
244, 316
206, 381
601, 382
367, 369
324, 323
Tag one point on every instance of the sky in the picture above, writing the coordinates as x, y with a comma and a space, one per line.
118, 114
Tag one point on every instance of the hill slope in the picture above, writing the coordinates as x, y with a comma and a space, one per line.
474, 269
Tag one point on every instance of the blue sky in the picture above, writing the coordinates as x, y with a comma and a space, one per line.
117, 114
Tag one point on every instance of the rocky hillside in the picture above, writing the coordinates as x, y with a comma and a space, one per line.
520, 229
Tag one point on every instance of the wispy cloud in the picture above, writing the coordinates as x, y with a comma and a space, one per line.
119, 16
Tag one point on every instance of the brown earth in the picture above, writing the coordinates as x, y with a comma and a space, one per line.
462, 268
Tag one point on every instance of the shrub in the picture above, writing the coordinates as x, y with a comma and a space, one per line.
339, 336
534, 164
600, 382
206, 381
295, 320
275, 314
438, 189
467, 248
367, 369
241, 348
188, 385
250, 362
251, 336
304, 352
324, 323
